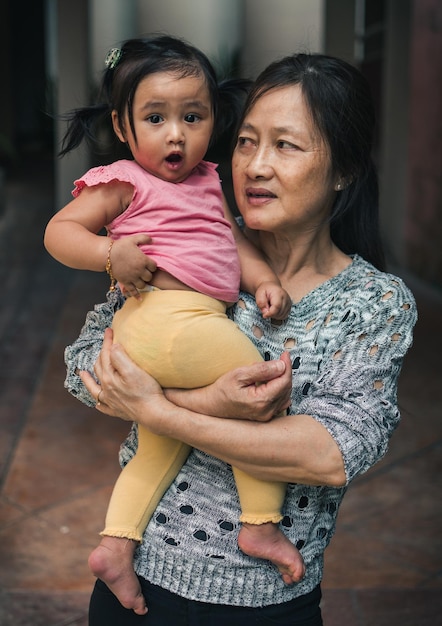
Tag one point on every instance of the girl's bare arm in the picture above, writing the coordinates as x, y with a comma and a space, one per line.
74, 236
257, 277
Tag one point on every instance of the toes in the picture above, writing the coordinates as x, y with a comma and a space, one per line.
141, 611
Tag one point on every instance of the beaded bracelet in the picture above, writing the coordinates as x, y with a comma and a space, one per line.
109, 267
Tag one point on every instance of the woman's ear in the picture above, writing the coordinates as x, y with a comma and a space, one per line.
117, 128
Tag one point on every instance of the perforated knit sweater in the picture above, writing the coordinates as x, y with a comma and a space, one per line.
347, 339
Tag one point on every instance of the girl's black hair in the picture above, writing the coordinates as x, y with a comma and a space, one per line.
142, 57
340, 103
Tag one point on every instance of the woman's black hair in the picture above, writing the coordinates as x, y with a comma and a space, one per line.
141, 57
340, 103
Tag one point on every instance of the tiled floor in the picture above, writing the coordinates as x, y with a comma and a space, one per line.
58, 459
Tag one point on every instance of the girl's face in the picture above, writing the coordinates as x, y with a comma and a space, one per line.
173, 121
281, 167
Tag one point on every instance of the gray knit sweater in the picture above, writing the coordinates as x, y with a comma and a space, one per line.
347, 339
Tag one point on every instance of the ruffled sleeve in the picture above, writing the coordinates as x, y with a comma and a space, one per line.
122, 171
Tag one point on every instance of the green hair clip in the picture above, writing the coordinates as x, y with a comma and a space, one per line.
112, 58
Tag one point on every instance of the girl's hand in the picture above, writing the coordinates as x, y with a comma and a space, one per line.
130, 266
273, 301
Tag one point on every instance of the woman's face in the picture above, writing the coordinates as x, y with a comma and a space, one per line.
281, 167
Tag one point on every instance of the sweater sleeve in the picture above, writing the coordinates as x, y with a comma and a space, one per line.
82, 354
355, 395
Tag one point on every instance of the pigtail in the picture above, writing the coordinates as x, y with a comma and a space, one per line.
84, 123
82, 126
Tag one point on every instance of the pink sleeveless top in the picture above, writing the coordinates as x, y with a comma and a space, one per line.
191, 238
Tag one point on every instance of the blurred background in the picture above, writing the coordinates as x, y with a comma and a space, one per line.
58, 459
52, 53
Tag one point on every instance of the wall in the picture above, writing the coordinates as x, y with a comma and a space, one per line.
339, 33
72, 87
215, 28
423, 234
395, 128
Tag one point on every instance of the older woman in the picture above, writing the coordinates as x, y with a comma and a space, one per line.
307, 192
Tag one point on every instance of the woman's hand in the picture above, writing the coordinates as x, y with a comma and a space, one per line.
290, 448
255, 392
125, 389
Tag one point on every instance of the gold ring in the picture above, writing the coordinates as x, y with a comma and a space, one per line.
98, 397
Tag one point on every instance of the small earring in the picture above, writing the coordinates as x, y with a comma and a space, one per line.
338, 187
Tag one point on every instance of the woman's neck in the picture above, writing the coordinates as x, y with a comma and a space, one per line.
301, 263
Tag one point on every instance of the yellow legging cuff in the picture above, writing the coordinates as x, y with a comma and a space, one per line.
121, 533
136, 494
261, 501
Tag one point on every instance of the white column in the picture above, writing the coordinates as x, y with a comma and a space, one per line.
279, 27
111, 22
214, 26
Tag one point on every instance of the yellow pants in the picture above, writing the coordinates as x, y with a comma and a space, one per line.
184, 339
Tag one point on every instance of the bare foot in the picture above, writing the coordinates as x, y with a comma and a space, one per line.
112, 562
267, 541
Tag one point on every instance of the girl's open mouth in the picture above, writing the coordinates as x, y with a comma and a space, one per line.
174, 158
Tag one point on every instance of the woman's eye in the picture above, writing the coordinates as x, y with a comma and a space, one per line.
191, 118
155, 119
286, 145
244, 142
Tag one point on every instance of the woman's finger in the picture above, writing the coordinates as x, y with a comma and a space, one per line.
103, 361
90, 383
261, 372
123, 367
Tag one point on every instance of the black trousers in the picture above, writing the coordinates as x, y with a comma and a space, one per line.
168, 609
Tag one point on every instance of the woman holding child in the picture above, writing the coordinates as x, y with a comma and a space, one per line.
306, 189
